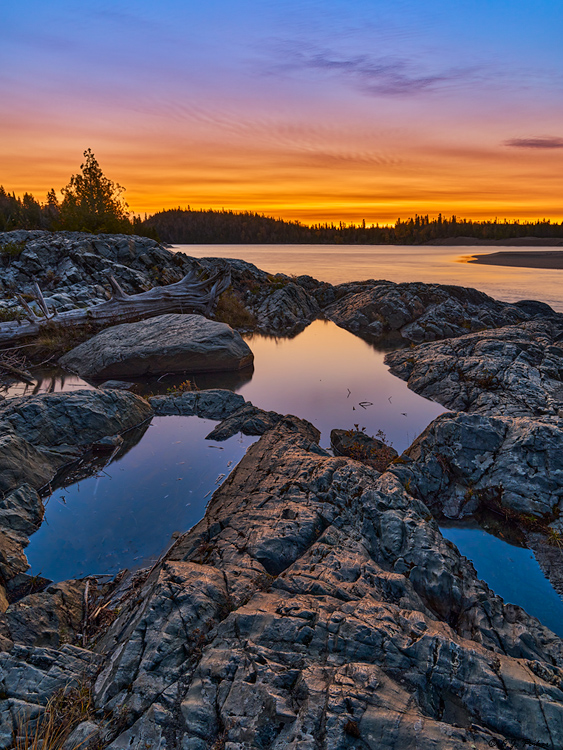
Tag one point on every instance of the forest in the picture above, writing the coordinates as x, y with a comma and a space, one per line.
93, 203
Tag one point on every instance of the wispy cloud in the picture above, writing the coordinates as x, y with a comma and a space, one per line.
386, 75
536, 142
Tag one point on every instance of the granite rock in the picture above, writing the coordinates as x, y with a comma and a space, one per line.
515, 370
164, 344
317, 606
422, 312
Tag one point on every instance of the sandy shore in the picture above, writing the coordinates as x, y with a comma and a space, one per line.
522, 259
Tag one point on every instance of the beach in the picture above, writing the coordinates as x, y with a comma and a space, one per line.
522, 259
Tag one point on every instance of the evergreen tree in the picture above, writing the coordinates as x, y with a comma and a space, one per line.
92, 202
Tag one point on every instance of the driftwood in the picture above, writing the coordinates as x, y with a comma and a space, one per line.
189, 295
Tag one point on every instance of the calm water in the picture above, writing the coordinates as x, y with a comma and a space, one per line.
125, 515
443, 265
512, 572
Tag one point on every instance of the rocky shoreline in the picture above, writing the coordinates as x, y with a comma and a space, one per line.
316, 605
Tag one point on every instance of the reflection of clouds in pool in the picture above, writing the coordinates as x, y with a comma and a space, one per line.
335, 380
126, 515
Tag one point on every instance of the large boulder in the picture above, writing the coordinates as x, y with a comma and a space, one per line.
78, 418
167, 343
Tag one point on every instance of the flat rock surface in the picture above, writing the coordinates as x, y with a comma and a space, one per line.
164, 344
515, 370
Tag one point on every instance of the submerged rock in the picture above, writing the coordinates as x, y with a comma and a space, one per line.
164, 344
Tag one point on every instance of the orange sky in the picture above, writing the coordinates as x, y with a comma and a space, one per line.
396, 114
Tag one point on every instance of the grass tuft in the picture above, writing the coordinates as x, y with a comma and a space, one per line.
65, 710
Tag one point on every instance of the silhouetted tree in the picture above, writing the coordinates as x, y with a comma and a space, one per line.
92, 202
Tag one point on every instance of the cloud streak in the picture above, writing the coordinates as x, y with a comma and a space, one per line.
382, 76
541, 142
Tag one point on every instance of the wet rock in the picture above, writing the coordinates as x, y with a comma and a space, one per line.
248, 419
422, 312
516, 370
75, 419
465, 462
317, 605
214, 403
164, 344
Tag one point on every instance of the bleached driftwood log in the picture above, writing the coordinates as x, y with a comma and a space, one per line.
189, 295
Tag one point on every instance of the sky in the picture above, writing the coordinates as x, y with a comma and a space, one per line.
316, 111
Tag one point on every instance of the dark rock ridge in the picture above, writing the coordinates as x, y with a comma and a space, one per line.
423, 312
164, 344
515, 370
72, 269
317, 606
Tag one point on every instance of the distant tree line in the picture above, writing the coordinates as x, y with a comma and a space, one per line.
226, 227
93, 203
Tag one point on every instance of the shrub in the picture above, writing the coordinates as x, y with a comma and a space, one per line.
231, 310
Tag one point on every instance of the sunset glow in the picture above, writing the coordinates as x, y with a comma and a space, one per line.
311, 111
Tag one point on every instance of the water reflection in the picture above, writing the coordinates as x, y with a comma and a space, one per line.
47, 380
124, 515
512, 572
335, 379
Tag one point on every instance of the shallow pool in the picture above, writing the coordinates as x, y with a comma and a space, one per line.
512, 572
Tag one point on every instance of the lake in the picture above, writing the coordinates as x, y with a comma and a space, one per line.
432, 264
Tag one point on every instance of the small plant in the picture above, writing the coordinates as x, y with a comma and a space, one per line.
12, 250
65, 710
554, 538
184, 387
